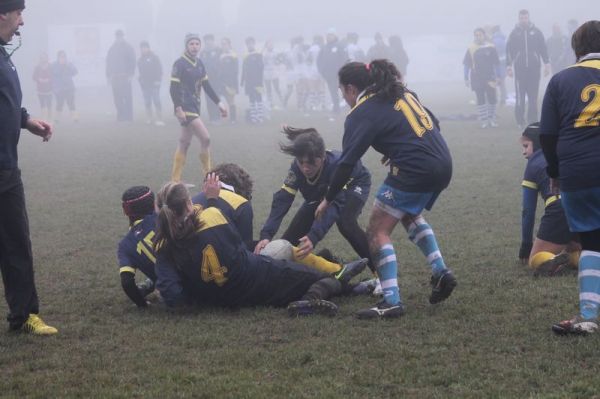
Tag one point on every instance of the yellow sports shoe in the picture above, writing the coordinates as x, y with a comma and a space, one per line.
36, 326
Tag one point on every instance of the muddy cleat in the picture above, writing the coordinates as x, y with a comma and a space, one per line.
311, 307
442, 286
382, 310
554, 266
36, 326
351, 270
575, 326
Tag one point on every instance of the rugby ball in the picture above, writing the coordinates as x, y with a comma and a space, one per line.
279, 249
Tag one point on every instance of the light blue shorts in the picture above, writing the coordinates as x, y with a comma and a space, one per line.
399, 203
582, 209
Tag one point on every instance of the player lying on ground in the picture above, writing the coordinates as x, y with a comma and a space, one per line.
136, 249
310, 173
570, 139
555, 247
190, 237
387, 116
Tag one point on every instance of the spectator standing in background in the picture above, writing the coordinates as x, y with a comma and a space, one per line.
499, 41
63, 85
331, 58
559, 49
120, 67
230, 69
150, 76
42, 76
379, 50
398, 55
252, 81
211, 56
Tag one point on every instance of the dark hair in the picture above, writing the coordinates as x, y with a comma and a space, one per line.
173, 222
532, 132
145, 44
524, 12
137, 202
380, 77
586, 39
236, 176
119, 34
305, 143
480, 30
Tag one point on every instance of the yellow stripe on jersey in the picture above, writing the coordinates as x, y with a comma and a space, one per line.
192, 114
529, 184
211, 217
233, 199
127, 269
552, 199
588, 64
188, 59
289, 189
362, 100
174, 79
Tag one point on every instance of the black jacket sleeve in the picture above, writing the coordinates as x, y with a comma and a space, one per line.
210, 91
548, 143
338, 181
132, 291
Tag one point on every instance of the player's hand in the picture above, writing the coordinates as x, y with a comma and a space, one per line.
223, 109
524, 252
212, 187
321, 209
305, 247
260, 245
39, 128
385, 161
509, 72
554, 186
547, 69
179, 114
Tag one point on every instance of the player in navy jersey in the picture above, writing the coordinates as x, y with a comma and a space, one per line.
136, 249
482, 72
202, 259
547, 255
310, 173
570, 139
387, 116
187, 80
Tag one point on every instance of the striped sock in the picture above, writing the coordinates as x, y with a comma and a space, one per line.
387, 269
482, 112
421, 234
589, 284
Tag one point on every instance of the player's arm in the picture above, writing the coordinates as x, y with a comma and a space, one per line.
210, 91
549, 128
176, 88
528, 218
321, 226
282, 201
244, 219
127, 273
169, 283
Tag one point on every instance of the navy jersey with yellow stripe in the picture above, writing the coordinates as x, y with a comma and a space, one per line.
236, 208
190, 73
214, 267
314, 191
536, 178
135, 250
407, 134
571, 111
481, 64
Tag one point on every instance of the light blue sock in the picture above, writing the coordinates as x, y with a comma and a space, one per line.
589, 284
421, 234
387, 270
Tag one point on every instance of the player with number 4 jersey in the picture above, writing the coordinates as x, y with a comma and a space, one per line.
387, 116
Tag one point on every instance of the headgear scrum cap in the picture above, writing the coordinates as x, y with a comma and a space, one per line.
11, 5
191, 36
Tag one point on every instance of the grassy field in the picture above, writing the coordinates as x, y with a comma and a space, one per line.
490, 339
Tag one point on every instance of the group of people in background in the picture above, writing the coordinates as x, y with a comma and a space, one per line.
491, 57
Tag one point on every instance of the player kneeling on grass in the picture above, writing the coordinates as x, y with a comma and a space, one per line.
570, 139
310, 173
190, 237
555, 247
136, 249
387, 116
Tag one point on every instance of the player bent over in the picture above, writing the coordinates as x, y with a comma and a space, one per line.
387, 116
230, 275
555, 246
570, 139
187, 80
136, 249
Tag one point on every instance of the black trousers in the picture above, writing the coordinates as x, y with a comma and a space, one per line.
123, 98
527, 84
334, 91
16, 260
347, 224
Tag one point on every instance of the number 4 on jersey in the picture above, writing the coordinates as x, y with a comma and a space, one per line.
211, 269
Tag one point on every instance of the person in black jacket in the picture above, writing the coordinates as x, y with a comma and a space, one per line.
525, 48
150, 75
210, 56
331, 58
230, 69
15, 245
63, 85
253, 70
120, 67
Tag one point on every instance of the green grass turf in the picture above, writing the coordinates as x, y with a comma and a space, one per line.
491, 338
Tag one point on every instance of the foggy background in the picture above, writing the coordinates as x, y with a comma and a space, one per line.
436, 34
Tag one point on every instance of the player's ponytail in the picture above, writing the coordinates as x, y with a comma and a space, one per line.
174, 222
386, 80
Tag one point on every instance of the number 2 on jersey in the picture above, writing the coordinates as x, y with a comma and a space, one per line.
590, 116
211, 269
415, 114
